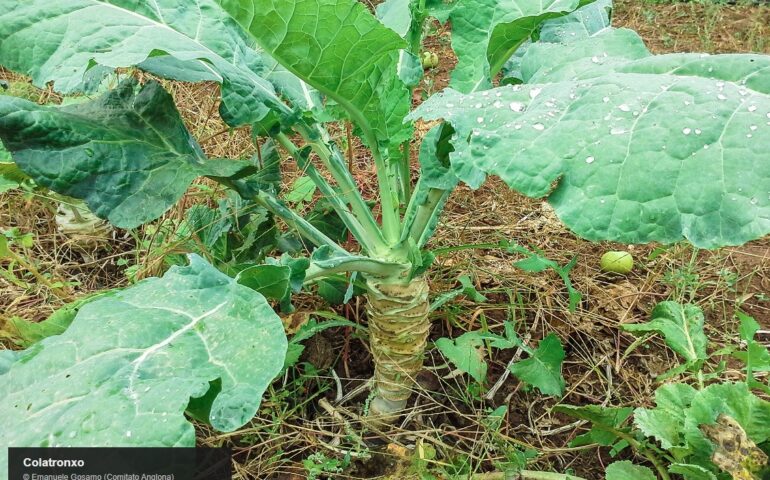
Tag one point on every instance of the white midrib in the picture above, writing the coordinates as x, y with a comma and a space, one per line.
158, 346
308, 97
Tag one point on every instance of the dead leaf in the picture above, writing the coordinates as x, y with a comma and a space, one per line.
734, 451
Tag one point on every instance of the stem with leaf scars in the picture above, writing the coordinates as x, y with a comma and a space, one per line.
398, 333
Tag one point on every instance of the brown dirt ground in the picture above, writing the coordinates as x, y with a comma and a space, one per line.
600, 367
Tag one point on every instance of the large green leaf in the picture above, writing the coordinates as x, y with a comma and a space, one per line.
124, 371
486, 33
583, 22
665, 422
681, 326
342, 50
190, 41
127, 154
649, 156
734, 400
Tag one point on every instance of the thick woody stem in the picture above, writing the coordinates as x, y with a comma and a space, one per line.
398, 331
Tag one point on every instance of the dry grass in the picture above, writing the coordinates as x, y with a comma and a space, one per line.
294, 422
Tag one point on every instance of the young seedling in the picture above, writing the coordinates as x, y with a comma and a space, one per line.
625, 145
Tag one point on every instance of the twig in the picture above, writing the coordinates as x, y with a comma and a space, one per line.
339, 386
367, 385
500, 381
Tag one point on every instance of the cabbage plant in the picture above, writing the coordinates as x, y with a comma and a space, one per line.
625, 145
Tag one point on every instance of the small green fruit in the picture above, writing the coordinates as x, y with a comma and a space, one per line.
617, 262
429, 60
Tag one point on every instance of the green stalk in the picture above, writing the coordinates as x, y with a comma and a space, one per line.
334, 162
364, 265
405, 162
365, 237
391, 222
415, 31
305, 228
405, 172
426, 214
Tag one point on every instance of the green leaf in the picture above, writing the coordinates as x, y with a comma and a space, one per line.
402, 17
681, 326
8, 181
333, 290
466, 354
440, 9
7, 358
4, 251
127, 154
606, 417
194, 41
626, 470
691, 472
665, 422
357, 56
734, 400
543, 368
583, 22
207, 227
486, 33
267, 172
396, 15
11, 176
605, 422
302, 190
756, 356
435, 170
469, 289
436, 180
122, 374
298, 268
325, 218
272, 281
466, 351
655, 148
537, 263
